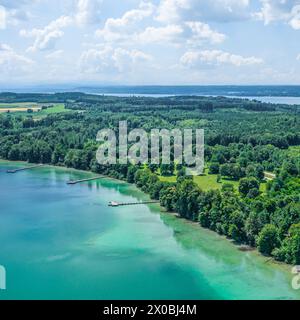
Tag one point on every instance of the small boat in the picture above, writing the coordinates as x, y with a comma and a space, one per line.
113, 204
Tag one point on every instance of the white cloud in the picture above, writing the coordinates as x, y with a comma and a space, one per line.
217, 10
120, 28
11, 62
165, 34
280, 10
216, 57
88, 12
192, 33
295, 18
202, 31
110, 60
46, 37
54, 55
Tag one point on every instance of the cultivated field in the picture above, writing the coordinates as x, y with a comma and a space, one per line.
36, 108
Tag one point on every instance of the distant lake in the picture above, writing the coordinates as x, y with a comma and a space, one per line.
286, 94
64, 242
276, 100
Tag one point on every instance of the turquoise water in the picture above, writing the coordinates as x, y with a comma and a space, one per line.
63, 242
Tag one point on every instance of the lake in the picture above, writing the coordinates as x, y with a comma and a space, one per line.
275, 100
64, 242
281, 94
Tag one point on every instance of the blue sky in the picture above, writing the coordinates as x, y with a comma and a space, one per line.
134, 42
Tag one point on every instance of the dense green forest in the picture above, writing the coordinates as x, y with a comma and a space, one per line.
250, 191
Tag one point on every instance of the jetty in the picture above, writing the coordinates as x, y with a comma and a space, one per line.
24, 168
84, 180
118, 204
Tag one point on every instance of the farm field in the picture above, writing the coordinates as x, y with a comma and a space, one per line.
23, 107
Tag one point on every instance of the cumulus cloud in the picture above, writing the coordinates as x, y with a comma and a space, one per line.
112, 60
11, 62
164, 34
217, 10
192, 33
193, 59
46, 37
129, 28
280, 10
202, 31
120, 28
88, 12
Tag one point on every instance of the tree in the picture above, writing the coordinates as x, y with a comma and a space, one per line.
290, 249
154, 190
167, 197
181, 172
250, 171
231, 170
14, 152
248, 184
58, 154
131, 173
214, 168
187, 202
227, 187
234, 233
253, 225
167, 169
268, 239
28, 123
153, 167
290, 167
259, 172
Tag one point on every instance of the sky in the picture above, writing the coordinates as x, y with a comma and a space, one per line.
148, 42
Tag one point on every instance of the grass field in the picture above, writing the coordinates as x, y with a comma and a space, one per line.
57, 108
22, 107
209, 182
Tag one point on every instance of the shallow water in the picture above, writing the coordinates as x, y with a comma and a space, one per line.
64, 242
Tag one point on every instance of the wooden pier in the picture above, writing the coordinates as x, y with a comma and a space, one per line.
118, 204
84, 180
25, 168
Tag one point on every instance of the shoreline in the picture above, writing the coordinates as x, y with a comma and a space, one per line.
283, 266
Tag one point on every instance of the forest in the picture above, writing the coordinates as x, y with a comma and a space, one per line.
249, 192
